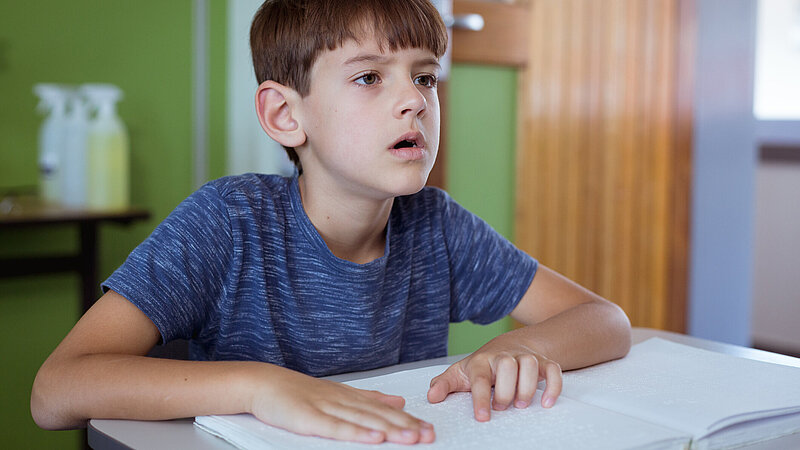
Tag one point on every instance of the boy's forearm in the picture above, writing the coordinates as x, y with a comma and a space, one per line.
67, 393
587, 334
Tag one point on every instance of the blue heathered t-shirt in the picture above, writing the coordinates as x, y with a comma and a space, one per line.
239, 269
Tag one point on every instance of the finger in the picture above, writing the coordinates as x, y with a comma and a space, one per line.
505, 382
480, 379
357, 409
528, 380
552, 374
331, 427
426, 434
397, 426
440, 388
395, 401
452, 380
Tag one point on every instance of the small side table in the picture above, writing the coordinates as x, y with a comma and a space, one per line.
20, 212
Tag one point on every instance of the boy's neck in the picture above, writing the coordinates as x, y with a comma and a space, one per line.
354, 229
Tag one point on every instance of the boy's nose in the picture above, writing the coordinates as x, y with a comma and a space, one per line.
410, 101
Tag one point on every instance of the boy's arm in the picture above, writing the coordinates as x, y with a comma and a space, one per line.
99, 371
567, 327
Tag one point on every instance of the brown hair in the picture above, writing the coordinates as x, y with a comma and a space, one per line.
287, 36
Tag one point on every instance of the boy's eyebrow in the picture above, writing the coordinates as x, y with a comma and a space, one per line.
430, 62
368, 57
381, 59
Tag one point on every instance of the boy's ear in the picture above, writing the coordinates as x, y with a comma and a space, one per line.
276, 107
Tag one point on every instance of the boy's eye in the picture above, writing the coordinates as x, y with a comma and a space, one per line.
426, 80
367, 79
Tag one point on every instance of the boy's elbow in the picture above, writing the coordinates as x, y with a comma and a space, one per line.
45, 402
40, 411
620, 327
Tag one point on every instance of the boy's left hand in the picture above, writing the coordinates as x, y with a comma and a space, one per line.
511, 367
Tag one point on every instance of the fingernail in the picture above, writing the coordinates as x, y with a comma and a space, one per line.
426, 425
408, 434
548, 402
500, 407
520, 404
483, 413
374, 434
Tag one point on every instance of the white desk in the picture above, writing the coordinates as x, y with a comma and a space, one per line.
181, 434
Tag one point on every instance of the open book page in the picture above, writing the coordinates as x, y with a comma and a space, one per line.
687, 388
569, 424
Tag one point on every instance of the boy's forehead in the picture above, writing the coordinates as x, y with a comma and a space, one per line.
370, 49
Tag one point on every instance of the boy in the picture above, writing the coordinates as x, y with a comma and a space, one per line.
350, 265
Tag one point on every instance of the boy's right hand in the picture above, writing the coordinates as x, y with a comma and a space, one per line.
310, 406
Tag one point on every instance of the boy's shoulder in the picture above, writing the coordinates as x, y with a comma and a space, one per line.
249, 185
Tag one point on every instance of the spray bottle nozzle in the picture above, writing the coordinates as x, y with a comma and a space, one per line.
101, 97
52, 97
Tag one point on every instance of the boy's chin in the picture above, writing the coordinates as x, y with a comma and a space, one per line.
411, 187
409, 191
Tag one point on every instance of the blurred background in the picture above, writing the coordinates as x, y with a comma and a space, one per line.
649, 149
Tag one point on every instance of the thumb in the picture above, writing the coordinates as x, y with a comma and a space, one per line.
444, 384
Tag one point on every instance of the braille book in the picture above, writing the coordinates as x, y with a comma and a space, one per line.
662, 395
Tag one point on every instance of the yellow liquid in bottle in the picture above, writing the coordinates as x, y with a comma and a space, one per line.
108, 183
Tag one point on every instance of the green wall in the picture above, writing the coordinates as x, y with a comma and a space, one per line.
480, 165
145, 48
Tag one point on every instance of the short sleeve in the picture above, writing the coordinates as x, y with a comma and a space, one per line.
488, 274
175, 275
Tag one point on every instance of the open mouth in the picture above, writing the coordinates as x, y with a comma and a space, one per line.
413, 139
406, 143
409, 147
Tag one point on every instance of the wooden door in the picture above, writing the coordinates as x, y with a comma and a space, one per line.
603, 167
503, 41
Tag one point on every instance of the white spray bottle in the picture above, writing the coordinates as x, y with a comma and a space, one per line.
74, 162
52, 134
108, 150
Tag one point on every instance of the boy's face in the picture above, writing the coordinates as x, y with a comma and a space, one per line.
371, 119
